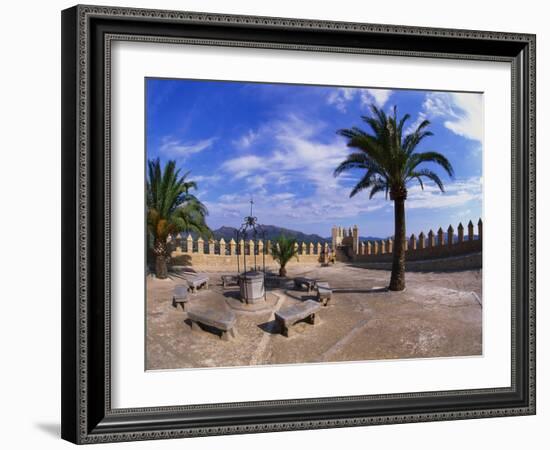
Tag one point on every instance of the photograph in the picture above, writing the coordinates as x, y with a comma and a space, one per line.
310, 224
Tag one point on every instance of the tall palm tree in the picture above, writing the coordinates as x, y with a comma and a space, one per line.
390, 162
283, 250
171, 208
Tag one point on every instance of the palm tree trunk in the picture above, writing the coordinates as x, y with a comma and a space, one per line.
161, 268
397, 282
160, 252
282, 271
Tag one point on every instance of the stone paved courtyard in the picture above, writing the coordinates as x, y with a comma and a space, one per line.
438, 315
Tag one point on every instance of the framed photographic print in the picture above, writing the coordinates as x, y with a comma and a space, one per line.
281, 224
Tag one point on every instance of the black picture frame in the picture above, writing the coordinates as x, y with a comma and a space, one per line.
87, 416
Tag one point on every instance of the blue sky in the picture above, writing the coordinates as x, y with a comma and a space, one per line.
278, 143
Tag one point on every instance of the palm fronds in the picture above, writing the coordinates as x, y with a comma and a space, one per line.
171, 208
388, 162
283, 250
388, 157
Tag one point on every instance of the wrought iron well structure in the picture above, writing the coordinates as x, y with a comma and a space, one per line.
251, 279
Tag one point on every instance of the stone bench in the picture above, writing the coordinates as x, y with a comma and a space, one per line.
222, 321
230, 280
324, 292
197, 281
180, 296
300, 282
304, 311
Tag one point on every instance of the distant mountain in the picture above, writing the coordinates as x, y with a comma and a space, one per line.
370, 238
271, 233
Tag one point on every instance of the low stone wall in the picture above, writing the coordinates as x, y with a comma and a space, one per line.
221, 263
472, 261
221, 256
435, 252
446, 250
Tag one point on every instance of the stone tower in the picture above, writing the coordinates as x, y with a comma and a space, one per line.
337, 236
355, 236
342, 236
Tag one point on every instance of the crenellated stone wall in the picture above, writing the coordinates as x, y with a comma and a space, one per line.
425, 246
214, 255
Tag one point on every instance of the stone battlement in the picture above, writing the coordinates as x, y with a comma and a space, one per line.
212, 255
221, 255
431, 245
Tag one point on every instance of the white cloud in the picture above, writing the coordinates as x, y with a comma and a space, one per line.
242, 166
283, 196
257, 181
206, 178
340, 97
414, 125
177, 148
377, 96
462, 113
247, 139
228, 198
457, 193
469, 120
294, 158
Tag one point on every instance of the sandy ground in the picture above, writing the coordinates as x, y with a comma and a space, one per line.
439, 314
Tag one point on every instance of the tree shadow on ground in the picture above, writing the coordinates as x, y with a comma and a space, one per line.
360, 291
415, 269
313, 296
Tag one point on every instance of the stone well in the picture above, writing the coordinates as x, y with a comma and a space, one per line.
252, 287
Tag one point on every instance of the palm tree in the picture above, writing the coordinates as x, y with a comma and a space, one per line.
283, 250
171, 209
390, 162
